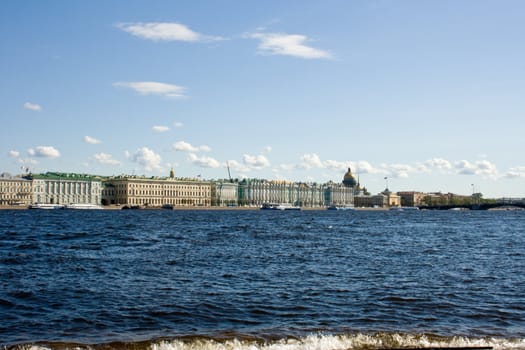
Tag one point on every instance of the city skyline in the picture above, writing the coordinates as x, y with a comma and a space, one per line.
423, 96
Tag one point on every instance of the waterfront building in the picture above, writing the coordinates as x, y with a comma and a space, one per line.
384, 199
310, 195
109, 194
66, 188
255, 192
412, 198
338, 194
15, 190
157, 191
225, 193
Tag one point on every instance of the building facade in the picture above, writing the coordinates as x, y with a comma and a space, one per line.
15, 191
64, 188
156, 191
225, 194
338, 195
412, 198
254, 192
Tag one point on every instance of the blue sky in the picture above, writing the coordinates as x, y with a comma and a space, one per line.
429, 94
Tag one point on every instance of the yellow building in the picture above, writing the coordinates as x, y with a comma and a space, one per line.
15, 191
156, 191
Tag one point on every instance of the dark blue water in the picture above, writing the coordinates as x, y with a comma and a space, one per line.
301, 280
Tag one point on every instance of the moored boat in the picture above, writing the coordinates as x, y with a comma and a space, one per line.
282, 206
46, 206
83, 206
339, 207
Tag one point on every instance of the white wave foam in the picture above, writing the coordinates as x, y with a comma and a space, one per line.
359, 341
344, 342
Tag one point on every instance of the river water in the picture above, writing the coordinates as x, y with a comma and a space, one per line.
255, 280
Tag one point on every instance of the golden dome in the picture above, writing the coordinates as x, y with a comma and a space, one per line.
349, 179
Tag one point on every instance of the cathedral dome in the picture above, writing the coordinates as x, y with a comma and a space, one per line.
349, 179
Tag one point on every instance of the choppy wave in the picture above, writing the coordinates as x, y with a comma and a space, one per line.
311, 342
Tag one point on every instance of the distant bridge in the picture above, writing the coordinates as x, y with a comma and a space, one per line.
500, 203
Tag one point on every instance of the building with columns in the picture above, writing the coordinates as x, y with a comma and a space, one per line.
225, 193
66, 188
157, 191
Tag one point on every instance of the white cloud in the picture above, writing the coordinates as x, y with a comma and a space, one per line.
439, 163
91, 140
187, 147
27, 161
32, 106
516, 172
44, 152
13, 154
238, 167
104, 158
204, 162
309, 161
364, 167
256, 162
287, 44
178, 124
335, 165
154, 88
165, 31
399, 170
481, 167
160, 128
147, 158
267, 149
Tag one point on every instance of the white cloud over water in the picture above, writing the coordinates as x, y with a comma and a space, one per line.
184, 146
91, 140
44, 152
105, 158
287, 45
203, 161
165, 31
160, 128
147, 158
32, 106
154, 88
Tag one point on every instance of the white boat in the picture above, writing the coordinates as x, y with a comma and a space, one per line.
287, 207
83, 206
46, 206
339, 207
282, 206
403, 208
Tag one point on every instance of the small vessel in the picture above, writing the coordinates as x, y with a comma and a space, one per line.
46, 206
168, 206
339, 207
282, 206
131, 207
83, 206
404, 208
